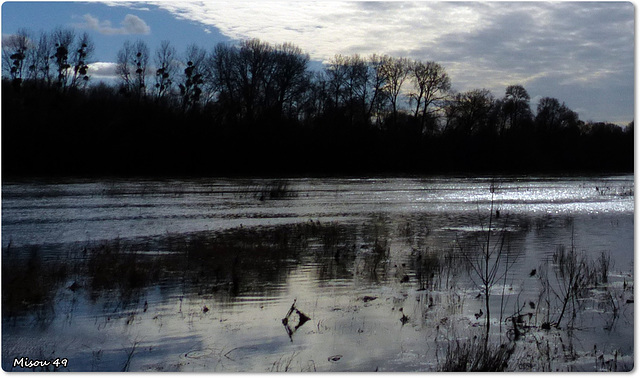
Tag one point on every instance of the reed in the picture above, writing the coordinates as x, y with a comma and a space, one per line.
476, 356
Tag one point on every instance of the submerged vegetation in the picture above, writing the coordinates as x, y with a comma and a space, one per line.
230, 263
258, 108
224, 265
274, 190
476, 356
29, 283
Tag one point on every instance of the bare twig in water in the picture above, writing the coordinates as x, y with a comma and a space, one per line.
487, 260
302, 318
284, 363
130, 356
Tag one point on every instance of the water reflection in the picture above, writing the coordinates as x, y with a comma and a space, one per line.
388, 289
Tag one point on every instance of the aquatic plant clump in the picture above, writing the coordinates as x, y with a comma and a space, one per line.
476, 356
308, 294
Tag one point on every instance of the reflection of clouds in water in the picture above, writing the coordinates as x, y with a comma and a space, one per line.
330, 275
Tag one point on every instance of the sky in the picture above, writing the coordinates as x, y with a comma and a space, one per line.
581, 53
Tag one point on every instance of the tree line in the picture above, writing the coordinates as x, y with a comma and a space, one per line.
258, 108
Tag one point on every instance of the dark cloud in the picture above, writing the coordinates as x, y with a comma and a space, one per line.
578, 50
569, 46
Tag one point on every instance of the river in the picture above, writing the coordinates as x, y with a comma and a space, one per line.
198, 274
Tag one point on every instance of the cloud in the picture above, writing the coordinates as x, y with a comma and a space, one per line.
130, 25
137, 5
135, 25
568, 45
525, 36
325, 28
102, 71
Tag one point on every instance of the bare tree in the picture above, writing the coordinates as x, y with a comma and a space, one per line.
317, 96
357, 84
253, 63
553, 116
336, 74
14, 53
348, 82
378, 83
468, 113
63, 41
431, 84
364, 87
80, 60
131, 67
191, 87
289, 76
255, 78
516, 106
39, 59
166, 67
141, 61
486, 263
222, 76
395, 71
123, 67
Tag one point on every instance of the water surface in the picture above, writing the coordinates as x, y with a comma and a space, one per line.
222, 261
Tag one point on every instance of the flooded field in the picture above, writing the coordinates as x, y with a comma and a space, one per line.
322, 274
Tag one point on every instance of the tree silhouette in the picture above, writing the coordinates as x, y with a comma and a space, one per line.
165, 61
289, 78
258, 79
39, 59
80, 61
395, 71
348, 81
552, 116
132, 68
14, 52
431, 83
379, 80
337, 73
193, 78
516, 107
63, 41
355, 115
469, 112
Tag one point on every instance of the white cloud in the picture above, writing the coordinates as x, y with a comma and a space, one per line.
325, 28
566, 45
135, 25
465, 33
131, 24
102, 71
129, 4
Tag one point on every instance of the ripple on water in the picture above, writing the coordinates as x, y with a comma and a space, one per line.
199, 353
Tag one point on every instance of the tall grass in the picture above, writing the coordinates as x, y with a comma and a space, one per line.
575, 274
276, 189
29, 283
111, 266
476, 356
428, 269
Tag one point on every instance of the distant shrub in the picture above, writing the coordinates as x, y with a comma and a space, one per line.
276, 189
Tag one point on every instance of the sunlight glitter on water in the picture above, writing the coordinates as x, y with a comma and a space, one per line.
357, 281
